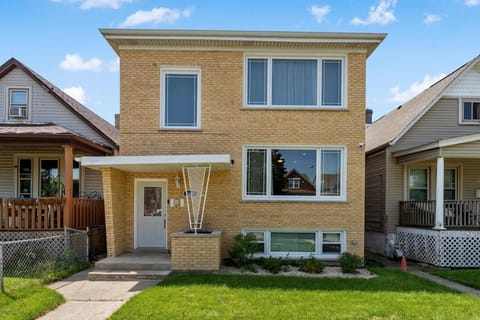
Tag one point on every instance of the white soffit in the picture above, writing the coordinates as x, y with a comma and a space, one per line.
160, 163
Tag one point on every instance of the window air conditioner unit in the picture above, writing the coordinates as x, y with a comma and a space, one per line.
18, 112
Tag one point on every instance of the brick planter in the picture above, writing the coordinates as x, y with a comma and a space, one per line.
196, 251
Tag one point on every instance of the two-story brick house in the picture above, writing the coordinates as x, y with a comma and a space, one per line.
254, 107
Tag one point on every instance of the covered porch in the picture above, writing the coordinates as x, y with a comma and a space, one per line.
42, 187
439, 216
149, 198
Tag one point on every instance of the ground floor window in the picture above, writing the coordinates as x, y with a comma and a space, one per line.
41, 176
285, 243
291, 173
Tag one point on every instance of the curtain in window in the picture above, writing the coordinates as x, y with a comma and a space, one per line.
256, 172
332, 82
418, 184
181, 100
257, 82
294, 82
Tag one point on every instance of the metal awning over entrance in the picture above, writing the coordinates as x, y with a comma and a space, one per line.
158, 163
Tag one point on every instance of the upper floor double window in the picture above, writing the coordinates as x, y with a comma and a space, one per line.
295, 82
18, 103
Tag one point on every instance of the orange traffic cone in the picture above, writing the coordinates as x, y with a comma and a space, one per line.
403, 264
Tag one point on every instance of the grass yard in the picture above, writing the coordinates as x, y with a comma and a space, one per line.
29, 301
392, 295
468, 277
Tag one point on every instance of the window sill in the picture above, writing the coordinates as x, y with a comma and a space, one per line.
470, 122
339, 200
291, 108
186, 130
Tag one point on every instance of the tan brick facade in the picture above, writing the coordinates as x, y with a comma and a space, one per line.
199, 252
225, 128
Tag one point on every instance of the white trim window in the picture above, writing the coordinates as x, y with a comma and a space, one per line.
418, 184
180, 98
309, 82
450, 184
296, 244
18, 107
470, 111
294, 173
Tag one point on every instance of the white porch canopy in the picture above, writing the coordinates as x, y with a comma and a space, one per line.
158, 163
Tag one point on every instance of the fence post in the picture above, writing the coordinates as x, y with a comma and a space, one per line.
88, 244
2, 288
66, 239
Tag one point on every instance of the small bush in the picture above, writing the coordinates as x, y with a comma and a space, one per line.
350, 262
63, 266
244, 246
273, 265
312, 265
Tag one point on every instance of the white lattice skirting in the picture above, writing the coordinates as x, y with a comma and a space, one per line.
452, 249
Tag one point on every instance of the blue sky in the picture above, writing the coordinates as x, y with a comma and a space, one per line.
59, 39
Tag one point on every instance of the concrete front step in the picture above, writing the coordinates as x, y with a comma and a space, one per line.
127, 275
146, 266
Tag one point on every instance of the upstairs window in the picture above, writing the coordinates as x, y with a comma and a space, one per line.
471, 111
180, 106
282, 82
18, 103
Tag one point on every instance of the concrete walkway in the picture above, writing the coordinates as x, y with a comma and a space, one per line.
415, 270
93, 300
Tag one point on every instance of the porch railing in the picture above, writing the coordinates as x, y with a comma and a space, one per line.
48, 213
456, 214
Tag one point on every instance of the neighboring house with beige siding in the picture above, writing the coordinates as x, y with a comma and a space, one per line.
41, 127
423, 174
254, 108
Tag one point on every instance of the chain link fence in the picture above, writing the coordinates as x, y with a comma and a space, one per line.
23, 262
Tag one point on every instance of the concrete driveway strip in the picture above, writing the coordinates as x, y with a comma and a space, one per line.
96, 300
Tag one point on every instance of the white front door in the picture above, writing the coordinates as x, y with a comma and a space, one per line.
151, 214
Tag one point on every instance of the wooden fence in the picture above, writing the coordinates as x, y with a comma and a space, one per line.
48, 213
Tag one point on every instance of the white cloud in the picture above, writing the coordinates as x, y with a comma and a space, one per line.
432, 18
319, 12
77, 93
74, 62
157, 16
472, 3
89, 4
414, 89
381, 14
114, 65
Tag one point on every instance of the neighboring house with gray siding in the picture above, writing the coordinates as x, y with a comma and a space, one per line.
423, 174
40, 126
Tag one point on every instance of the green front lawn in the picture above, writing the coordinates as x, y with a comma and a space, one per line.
468, 277
28, 301
392, 295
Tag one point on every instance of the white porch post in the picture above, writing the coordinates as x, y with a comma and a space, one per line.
439, 196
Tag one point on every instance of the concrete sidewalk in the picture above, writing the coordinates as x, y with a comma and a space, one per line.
93, 300
415, 270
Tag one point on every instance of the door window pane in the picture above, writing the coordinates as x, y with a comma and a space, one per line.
181, 100
332, 82
449, 184
294, 82
294, 165
25, 178
76, 179
331, 172
257, 82
256, 172
292, 242
50, 183
418, 184
152, 201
